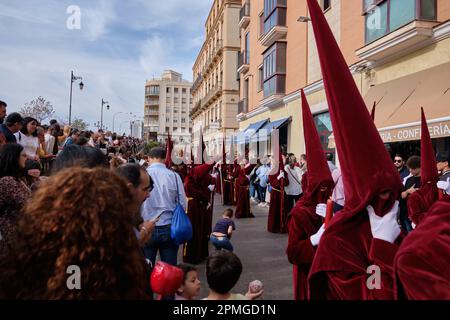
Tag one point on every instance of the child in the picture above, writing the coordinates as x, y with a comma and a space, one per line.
223, 229
223, 270
191, 283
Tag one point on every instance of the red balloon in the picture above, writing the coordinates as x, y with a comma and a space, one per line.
166, 279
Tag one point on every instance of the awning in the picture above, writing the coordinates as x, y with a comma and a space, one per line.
398, 104
244, 136
267, 129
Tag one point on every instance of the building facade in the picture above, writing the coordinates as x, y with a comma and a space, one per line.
216, 88
390, 46
168, 102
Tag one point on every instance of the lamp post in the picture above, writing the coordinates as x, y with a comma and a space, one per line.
73, 78
107, 108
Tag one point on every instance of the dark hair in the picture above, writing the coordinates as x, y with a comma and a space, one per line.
228, 212
443, 157
329, 156
223, 270
9, 160
3, 104
157, 153
78, 156
413, 162
74, 131
31, 165
53, 121
13, 118
303, 156
132, 173
25, 122
186, 268
399, 156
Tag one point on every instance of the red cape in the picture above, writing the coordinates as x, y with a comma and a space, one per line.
422, 266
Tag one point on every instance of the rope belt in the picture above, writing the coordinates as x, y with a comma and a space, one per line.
276, 189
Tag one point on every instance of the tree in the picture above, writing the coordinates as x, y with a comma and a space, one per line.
39, 108
79, 124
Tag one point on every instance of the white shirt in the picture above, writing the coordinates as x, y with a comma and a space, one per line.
30, 144
164, 195
338, 192
295, 179
49, 143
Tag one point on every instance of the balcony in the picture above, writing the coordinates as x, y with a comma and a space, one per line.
196, 109
400, 42
213, 93
213, 56
243, 106
244, 16
243, 61
152, 113
197, 82
275, 28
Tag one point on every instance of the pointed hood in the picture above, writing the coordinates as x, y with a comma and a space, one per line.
169, 148
201, 171
358, 142
428, 159
318, 173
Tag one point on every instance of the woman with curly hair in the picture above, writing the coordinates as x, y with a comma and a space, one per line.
80, 217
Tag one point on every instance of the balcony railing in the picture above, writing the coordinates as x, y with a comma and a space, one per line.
197, 82
243, 61
243, 106
244, 15
213, 92
213, 55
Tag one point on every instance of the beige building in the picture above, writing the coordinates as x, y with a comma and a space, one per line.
168, 102
390, 46
216, 89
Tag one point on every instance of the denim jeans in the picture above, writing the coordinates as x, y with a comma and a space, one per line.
221, 244
252, 190
262, 193
162, 242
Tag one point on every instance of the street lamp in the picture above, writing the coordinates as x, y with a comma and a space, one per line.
107, 108
73, 78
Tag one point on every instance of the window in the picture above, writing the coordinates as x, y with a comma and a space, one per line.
184, 90
168, 90
260, 78
153, 90
167, 129
274, 69
247, 48
326, 4
385, 16
175, 100
183, 100
175, 90
274, 14
167, 119
183, 120
175, 120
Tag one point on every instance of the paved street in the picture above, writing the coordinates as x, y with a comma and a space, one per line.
262, 255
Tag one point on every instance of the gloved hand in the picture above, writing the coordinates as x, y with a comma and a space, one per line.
211, 187
385, 228
315, 239
281, 176
444, 185
321, 210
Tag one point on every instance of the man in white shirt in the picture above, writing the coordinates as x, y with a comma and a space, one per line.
294, 189
167, 191
338, 196
49, 141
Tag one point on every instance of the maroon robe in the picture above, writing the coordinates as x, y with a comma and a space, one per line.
243, 197
422, 266
277, 221
303, 223
196, 250
228, 191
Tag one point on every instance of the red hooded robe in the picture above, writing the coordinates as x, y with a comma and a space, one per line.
303, 220
277, 221
347, 248
243, 196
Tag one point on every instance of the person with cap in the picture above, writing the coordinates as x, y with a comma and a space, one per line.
277, 221
199, 202
306, 219
421, 200
355, 258
12, 125
443, 165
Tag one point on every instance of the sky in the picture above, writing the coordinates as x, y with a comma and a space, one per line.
114, 45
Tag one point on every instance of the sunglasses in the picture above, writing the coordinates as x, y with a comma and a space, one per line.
398, 161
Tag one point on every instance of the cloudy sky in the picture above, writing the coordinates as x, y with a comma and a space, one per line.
119, 45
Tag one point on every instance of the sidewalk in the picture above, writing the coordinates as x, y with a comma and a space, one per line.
262, 255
